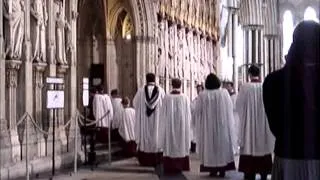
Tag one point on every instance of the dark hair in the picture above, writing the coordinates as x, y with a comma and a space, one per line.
176, 83
150, 77
99, 89
231, 83
114, 92
254, 70
125, 101
212, 82
200, 86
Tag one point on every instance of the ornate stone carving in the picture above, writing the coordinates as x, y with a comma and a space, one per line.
172, 49
12, 67
61, 25
38, 29
180, 50
14, 28
161, 61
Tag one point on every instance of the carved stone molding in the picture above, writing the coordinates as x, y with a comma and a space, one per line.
62, 70
12, 67
39, 68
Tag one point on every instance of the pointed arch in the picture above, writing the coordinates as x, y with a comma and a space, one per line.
288, 27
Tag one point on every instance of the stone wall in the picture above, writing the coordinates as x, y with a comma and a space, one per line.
186, 39
37, 40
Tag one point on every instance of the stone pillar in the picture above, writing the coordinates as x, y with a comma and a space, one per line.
12, 68
51, 72
27, 87
72, 77
60, 120
4, 136
39, 99
234, 22
253, 51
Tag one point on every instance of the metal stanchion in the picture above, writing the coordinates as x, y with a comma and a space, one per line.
53, 140
76, 146
109, 142
85, 136
27, 156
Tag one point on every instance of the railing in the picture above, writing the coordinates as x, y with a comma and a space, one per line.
78, 118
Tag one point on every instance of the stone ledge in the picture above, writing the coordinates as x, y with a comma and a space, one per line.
40, 165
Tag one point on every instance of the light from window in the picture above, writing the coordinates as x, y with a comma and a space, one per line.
287, 31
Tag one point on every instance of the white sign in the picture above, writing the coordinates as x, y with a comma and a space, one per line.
85, 91
52, 80
85, 97
85, 83
55, 99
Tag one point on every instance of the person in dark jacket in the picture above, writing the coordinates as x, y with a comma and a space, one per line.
292, 103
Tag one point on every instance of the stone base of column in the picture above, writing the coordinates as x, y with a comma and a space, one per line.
41, 145
58, 143
15, 146
5, 142
32, 142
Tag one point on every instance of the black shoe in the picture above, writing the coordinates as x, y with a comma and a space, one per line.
264, 176
222, 174
249, 176
213, 174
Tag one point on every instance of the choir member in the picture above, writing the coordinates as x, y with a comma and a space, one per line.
147, 103
256, 140
215, 112
176, 127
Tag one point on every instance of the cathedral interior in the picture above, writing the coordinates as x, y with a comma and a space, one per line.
115, 43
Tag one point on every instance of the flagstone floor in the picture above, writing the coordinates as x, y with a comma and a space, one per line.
129, 170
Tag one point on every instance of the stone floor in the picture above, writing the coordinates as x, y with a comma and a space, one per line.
129, 170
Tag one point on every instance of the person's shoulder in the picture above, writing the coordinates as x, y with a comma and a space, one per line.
274, 77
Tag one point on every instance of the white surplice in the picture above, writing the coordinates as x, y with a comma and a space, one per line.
117, 110
175, 125
255, 136
126, 124
147, 128
235, 125
102, 108
195, 118
215, 112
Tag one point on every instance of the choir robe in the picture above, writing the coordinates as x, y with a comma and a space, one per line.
126, 131
102, 108
235, 126
175, 134
256, 140
117, 110
195, 118
147, 129
215, 113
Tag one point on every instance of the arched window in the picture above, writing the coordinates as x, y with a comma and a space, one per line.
310, 14
288, 28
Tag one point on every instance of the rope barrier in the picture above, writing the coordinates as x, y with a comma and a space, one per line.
77, 118
92, 121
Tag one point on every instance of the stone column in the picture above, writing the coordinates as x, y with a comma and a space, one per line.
12, 68
253, 41
72, 77
234, 22
27, 86
39, 99
51, 71
60, 120
4, 136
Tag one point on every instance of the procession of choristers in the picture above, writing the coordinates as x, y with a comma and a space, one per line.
219, 124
